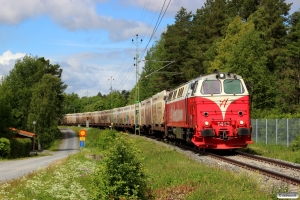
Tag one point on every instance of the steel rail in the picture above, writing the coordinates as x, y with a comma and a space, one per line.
273, 174
263, 171
270, 160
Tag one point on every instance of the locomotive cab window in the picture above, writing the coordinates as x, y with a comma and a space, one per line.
233, 86
211, 87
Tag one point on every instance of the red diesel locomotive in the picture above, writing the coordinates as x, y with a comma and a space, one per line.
210, 111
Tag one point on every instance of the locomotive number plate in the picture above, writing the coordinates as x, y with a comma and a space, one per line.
223, 123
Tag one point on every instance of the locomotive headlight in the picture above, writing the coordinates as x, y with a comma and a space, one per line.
206, 123
242, 122
222, 75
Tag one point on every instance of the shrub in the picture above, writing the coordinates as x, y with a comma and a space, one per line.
106, 139
296, 144
4, 147
121, 175
20, 147
48, 136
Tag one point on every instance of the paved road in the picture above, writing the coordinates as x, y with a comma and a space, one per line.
17, 168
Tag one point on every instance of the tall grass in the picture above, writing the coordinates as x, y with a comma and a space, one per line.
175, 175
281, 152
67, 179
172, 175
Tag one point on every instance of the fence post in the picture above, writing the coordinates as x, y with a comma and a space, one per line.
266, 131
287, 132
276, 130
256, 130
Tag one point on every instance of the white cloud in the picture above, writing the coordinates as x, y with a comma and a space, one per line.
90, 72
7, 56
70, 14
14, 11
7, 61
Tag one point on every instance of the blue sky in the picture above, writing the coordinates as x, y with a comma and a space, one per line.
90, 39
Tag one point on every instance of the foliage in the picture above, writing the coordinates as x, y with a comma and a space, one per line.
48, 136
154, 71
122, 174
34, 92
74, 104
295, 146
106, 139
6, 119
176, 46
45, 109
4, 147
20, 147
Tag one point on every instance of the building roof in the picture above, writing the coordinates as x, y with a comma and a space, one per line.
24, 133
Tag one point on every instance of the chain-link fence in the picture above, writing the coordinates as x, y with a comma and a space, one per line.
275, 131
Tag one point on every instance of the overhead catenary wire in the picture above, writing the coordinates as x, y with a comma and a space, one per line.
126, 77
156, 27
160, 17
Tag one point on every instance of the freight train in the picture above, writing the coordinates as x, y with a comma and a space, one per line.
211, 112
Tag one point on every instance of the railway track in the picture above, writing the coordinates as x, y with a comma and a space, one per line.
280, 170
273, 168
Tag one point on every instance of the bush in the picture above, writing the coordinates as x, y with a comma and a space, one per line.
121, 175
296, 144
4, 147
48, 136
106, 139
20, 147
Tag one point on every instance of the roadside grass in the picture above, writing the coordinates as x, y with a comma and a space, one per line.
172, 175
65, 179
54, 146
281, 152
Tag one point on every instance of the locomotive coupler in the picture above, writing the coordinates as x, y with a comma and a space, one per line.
225, 135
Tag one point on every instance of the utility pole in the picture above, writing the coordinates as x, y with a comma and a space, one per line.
111, 80
39, 145
87, 101
137, 96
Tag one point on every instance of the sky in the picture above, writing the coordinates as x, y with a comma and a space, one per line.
91, 40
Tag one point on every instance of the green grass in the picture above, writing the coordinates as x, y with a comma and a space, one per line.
55, 145
281, 152
66, 179
172, 175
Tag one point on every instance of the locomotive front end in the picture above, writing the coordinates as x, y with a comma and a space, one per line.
222, 112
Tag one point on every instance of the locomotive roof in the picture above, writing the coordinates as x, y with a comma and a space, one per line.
228, 75
212, 76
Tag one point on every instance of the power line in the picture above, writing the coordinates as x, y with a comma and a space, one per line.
156, 26
160, 17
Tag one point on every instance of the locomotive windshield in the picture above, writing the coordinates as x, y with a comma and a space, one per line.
211, 87
233, 86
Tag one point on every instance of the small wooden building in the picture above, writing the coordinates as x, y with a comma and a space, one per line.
26, 134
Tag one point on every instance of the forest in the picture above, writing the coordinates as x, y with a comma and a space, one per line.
257, 39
